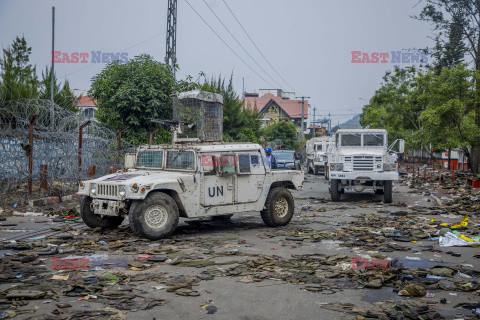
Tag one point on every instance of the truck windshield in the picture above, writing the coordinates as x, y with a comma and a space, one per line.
150, 159
351, 140
183, 160
373, 140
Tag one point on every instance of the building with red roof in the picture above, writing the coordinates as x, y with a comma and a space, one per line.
274, 105
87, 106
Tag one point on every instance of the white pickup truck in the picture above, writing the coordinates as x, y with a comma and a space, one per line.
161, 183
360, 160
317, 149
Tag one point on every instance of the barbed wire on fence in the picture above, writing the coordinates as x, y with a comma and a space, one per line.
55, 144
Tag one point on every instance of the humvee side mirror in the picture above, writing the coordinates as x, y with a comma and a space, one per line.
401, 146
130, 159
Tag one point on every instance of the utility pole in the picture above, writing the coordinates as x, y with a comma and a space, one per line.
52, 87
314, 129
171, 47
303, 114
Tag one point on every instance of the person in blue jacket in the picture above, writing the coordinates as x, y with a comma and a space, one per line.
272, 162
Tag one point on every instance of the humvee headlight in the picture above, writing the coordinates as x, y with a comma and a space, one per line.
121, 191
93, 188
336, 166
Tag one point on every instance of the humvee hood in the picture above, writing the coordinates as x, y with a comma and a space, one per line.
142, 177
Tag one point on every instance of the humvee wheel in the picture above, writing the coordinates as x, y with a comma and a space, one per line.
95, 220
325, 173
279, 207
155, 217
387, 191
335, 194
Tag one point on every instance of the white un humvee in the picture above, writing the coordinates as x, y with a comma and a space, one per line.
361, 159
162, 183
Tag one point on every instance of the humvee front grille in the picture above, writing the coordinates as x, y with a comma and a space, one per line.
107, 190
362, 163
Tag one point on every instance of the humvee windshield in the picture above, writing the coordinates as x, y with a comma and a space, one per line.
150, 159
183, 160
176, 159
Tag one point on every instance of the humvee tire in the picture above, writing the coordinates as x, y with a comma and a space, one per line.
335, 194
93, 220
154, 218
325, 172
279, 207
387, 191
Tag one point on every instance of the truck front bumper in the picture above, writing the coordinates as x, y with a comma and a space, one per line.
364, 175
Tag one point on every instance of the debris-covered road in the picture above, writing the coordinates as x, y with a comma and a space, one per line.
355, 259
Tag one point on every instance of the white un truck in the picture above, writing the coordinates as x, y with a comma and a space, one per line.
361, 160
317, 149
190, 178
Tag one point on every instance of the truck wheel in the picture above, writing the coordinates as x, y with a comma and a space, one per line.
387, 191
335, 194
310, 171
155, 217
278, 208
326, 172
317, 171
95, 220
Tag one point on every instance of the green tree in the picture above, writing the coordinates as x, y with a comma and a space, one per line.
448, 119
18, 78
466, 15
285, 132
63, 96
131, 93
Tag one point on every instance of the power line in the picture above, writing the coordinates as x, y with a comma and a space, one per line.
198, 14
234, 38
278, 74
135, 45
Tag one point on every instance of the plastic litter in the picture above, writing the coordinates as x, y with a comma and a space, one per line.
452, 240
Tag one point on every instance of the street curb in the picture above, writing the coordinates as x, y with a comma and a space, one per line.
52, 200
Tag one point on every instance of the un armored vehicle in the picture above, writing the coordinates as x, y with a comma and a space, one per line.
193, 178
317, 149
361, 160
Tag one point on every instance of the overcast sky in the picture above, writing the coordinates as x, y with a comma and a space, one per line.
308, 42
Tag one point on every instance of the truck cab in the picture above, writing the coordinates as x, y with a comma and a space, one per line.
361, 160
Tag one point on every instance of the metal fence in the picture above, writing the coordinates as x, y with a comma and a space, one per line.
44, 144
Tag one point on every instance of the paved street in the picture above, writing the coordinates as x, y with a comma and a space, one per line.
295, 272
